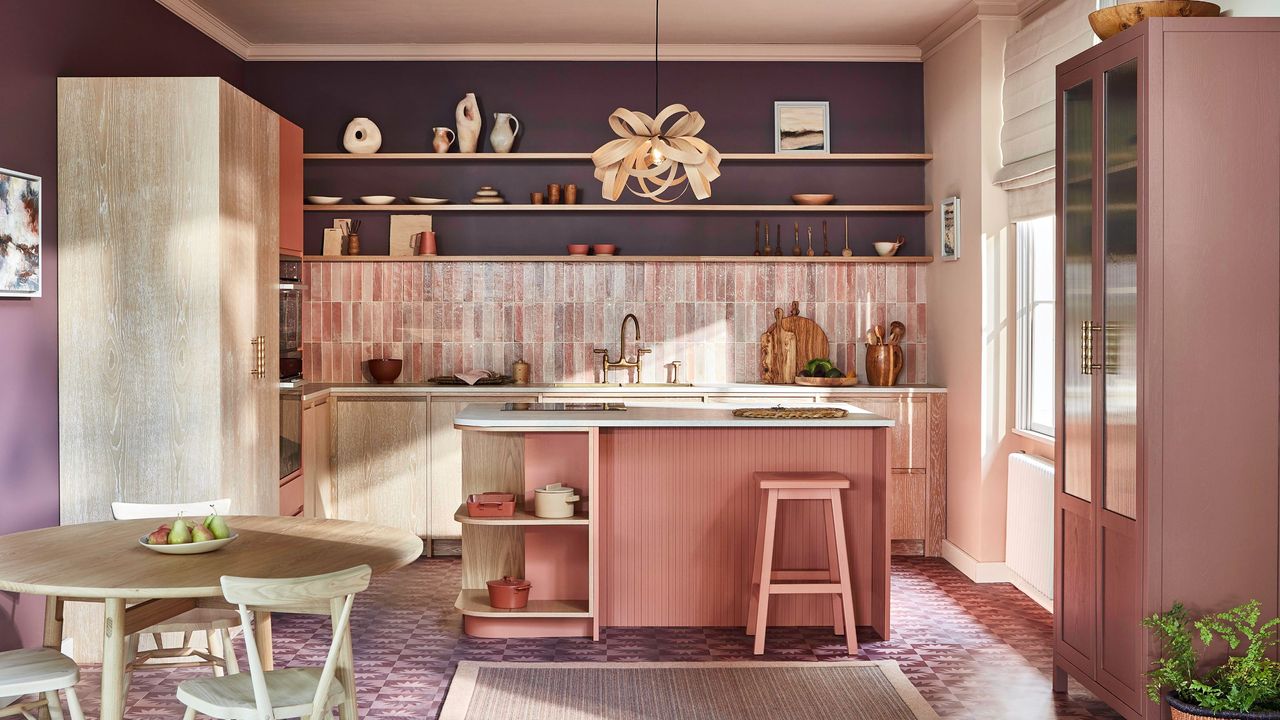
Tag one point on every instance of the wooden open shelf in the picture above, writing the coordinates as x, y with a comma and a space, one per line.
899, 259
519, 518
564, 156
476, 604
626, 208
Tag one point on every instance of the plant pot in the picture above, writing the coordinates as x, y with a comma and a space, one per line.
509, 593
385, 370
1179, 710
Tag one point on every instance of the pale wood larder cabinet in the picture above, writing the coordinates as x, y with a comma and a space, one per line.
168, 244
1168, 226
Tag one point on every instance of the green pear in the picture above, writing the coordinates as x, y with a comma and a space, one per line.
201, 534
181, 532
218, 527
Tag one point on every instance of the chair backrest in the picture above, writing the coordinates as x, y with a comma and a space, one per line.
138, 511
286, 594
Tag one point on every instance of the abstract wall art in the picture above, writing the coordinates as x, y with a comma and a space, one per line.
20, 224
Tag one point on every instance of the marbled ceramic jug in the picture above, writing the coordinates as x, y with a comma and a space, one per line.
503, 135
444, 137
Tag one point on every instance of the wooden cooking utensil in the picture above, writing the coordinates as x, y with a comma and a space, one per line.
810, 252
846, 251
757, 252
826, 247
777, 238
896, 331
768, 249
795, 249
871, 338
879, 331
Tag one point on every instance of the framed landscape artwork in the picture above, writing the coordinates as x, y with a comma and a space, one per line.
949, 237
802, 126
20, 203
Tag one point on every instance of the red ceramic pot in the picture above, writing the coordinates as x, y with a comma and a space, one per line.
509, 593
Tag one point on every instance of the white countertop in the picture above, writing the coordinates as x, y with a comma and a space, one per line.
653, 414
318, 390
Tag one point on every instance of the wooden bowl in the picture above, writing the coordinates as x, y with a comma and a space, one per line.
1109, 21
579, 249
385, 370
826, 381
604, 248
813, 198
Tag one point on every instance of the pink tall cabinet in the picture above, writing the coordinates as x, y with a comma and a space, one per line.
1168, 226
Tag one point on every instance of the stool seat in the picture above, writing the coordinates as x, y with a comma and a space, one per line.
801, 480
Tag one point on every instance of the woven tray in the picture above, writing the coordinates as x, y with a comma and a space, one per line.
786, 413
451, 380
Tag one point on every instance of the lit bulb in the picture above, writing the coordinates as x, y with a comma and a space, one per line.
655, 156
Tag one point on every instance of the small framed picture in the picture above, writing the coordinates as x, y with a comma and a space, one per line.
21, 206
949, 237
802, 126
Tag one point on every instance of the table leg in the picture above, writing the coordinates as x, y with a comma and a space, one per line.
113, 660
346, 673
53, 623
262, 635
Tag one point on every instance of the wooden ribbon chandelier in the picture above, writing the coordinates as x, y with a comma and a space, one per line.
655, 156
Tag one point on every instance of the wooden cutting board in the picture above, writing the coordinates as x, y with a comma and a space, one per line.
777, 352
811, 340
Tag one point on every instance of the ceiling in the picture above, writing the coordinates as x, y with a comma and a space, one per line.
342, 29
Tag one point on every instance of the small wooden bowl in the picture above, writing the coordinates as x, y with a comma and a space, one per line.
813, 198
604, 248
385, 370
579, 249
1110, 21
826, 381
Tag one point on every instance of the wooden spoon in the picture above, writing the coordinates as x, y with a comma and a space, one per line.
871, 337
879, 331
896, 331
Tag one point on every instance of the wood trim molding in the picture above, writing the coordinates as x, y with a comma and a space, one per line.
969, 15
979, 572
443, 52
207, 23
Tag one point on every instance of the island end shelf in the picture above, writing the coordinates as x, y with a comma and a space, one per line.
664, 531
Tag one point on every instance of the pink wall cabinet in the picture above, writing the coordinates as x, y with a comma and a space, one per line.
1168, 226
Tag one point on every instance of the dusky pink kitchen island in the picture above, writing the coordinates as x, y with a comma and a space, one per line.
663, 535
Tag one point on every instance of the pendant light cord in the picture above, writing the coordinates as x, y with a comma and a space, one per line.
657, 7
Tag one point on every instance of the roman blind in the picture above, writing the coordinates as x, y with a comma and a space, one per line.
1028, 134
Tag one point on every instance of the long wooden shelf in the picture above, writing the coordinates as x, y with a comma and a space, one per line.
630, 207
901, 259
476, 604
519, 518
558, 156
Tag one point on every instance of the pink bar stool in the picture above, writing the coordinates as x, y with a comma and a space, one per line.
767, 582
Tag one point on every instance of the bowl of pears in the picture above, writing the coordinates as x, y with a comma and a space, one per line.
188, 537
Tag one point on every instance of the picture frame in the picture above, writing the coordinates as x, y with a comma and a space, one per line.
802, 127
21, 229
949, 229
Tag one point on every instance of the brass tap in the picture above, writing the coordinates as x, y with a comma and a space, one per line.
623, 362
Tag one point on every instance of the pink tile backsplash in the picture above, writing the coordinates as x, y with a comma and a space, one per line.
445, 317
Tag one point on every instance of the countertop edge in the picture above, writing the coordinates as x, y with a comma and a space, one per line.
317, 391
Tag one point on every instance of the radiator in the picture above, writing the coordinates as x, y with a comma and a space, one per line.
1028, 544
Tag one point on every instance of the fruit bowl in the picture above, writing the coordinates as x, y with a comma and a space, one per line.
826, 381
192, 548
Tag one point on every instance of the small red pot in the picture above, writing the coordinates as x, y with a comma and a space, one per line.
509, 593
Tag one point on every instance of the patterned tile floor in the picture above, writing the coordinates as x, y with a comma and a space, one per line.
974, 651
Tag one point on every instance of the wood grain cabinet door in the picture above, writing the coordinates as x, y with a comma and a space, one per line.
380, 462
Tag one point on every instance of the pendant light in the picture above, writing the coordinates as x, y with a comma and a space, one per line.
655, 154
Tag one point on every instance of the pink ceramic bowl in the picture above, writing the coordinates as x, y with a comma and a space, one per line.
604, 248
579, 249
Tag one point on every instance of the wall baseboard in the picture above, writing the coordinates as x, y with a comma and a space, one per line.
991, 572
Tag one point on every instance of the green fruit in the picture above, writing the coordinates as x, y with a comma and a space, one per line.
218, 527
181, 532
812, 365
835, 373
805, 373
201, 533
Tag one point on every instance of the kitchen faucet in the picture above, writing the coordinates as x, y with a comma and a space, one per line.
623, 362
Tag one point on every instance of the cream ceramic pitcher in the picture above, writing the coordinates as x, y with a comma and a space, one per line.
503, 135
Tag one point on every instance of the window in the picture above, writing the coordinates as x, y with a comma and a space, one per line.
1035, 326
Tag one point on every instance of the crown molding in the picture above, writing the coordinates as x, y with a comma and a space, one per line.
210, 25
773, 52
968, 15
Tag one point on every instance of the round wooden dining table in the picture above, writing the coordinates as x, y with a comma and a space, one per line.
103, 562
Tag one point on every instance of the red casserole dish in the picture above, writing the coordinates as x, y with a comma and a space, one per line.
509, 593
491, 505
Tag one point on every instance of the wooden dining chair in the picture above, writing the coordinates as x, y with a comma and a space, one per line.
217, 625
300, 692
41, 672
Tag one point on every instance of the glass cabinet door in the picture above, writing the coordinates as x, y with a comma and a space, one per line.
1119, 358
1077, 249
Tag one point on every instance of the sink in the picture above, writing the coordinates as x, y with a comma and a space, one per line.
621, 385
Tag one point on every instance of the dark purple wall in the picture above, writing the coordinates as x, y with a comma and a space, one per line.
44, 40
564, 106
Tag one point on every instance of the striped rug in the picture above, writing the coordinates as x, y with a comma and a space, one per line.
853, 690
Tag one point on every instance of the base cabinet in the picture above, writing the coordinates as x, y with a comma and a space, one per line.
380, 462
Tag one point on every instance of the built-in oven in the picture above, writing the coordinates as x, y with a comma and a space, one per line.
290, 366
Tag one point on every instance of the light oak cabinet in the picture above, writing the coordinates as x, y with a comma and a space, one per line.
317, 458
168, 215
379, 451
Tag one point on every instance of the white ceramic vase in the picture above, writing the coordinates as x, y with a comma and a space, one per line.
503, 135
362, 137
468, 119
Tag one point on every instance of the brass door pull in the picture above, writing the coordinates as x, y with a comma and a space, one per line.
259, 345
1087, 329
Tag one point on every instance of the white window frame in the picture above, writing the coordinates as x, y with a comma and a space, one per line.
1025, 317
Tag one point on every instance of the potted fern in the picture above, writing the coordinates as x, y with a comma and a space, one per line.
1243, 685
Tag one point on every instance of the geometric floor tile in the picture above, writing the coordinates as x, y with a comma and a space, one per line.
973, 651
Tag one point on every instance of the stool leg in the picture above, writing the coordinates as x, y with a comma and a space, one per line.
833, 566
753, 600
766, 570
73, 704
846, 583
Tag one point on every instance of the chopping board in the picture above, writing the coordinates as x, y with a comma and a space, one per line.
789, 344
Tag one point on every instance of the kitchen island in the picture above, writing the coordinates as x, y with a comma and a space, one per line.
663, 535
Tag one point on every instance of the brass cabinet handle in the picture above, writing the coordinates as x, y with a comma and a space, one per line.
1087, 329
259, 345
